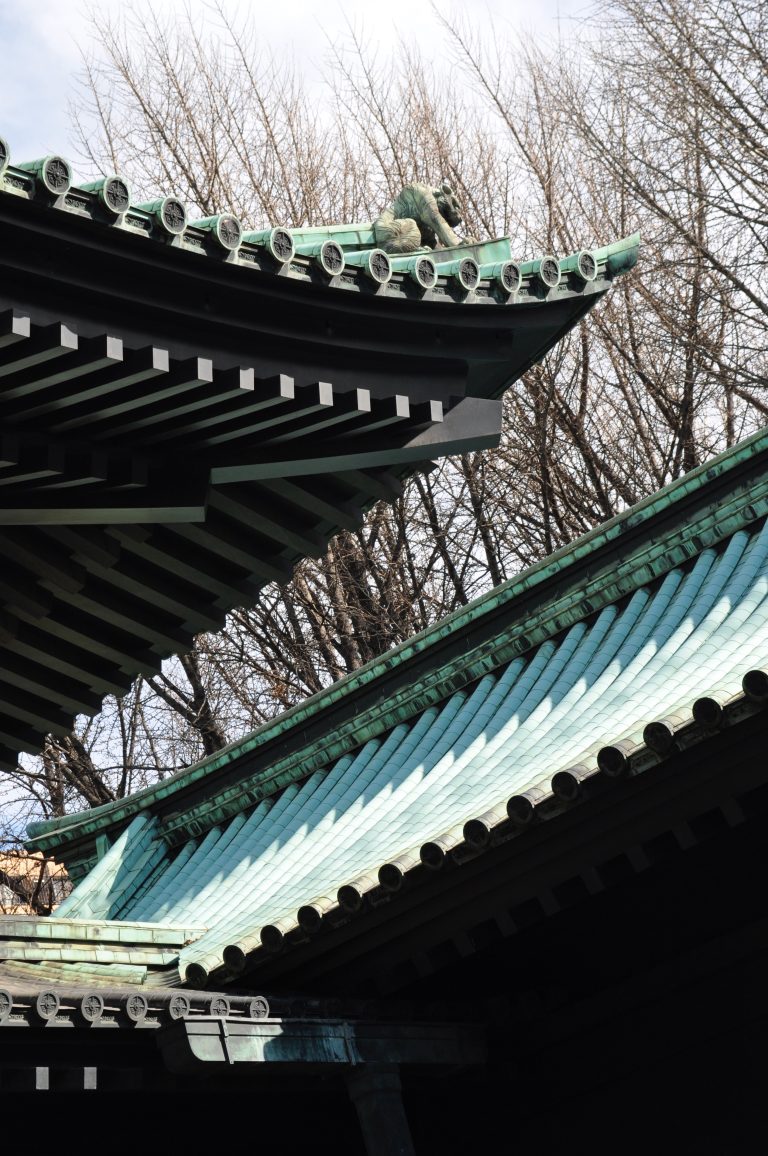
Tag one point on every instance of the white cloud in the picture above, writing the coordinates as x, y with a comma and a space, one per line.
41, 45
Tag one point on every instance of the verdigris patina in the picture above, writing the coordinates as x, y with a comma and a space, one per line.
419, 217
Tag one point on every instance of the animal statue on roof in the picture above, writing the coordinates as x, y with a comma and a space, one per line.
419, 217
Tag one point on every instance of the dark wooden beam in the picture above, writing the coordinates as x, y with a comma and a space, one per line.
475, 423
14, 326
68, 410
255, 397
34, 678
163, 499
90, 355
229, 586
273, 520
48, 343
315, 495
104, 674
244, 549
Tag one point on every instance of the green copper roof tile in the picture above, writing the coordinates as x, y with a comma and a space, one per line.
47, 929
623, 555
85, 953
48, 971
649, 656
114, 870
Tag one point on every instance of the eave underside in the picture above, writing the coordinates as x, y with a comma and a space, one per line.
144, 496
156, 472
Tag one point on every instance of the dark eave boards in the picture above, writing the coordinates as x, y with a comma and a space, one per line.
182, 421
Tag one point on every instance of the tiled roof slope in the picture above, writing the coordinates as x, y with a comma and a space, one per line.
683, 629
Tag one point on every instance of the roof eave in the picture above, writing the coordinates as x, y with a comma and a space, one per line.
659, 533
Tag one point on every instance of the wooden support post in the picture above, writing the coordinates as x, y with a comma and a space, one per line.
376, 1092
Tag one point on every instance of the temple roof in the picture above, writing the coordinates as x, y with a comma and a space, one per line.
640, 640
189, 409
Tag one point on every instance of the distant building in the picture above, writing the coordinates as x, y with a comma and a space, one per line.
30, 884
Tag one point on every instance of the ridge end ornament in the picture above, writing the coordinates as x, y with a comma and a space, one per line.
420, 217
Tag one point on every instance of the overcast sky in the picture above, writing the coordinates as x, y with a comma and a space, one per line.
41, 43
